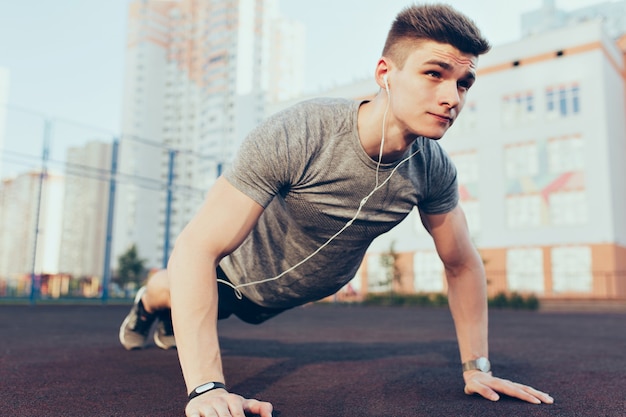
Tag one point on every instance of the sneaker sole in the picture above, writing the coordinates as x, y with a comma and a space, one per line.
162, 345
140, 293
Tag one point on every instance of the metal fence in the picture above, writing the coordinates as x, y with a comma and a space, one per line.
60, 182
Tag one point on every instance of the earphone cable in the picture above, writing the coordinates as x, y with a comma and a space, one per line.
363, 201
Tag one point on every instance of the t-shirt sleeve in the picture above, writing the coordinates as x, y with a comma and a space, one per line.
442, 194
271, 158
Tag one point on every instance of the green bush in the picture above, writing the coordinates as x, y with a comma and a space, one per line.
532, 302
514, 301
394, 299
501, 300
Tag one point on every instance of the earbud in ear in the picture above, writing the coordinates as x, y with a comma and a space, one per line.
386, 83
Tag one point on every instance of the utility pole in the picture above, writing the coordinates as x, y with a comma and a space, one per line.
34, 278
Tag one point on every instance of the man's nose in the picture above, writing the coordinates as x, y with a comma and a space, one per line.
450, 96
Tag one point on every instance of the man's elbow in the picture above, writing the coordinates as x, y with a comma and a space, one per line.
190, 246
470, 264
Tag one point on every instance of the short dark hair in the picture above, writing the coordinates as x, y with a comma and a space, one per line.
435, 22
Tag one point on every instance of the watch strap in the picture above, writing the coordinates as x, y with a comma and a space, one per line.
204, 388
481, 364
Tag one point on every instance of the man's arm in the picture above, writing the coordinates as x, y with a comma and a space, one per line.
467, 297
219, 227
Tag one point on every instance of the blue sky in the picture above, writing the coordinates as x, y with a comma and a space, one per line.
65, 61
66, 57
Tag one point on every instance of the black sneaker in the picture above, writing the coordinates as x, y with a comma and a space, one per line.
136, 326
164, 333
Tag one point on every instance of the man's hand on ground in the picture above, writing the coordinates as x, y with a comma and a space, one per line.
220, 403
488, 386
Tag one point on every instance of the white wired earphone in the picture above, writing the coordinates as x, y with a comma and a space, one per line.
377, 186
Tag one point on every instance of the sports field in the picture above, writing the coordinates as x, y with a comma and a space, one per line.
318, 360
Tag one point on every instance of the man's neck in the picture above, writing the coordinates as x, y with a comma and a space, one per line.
370, 129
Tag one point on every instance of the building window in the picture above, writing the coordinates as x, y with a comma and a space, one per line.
565, 154
467, 121
575, 100
468, 178
524, 211
518, 108
546, 183
562, 101
550, 105
521, 160
524, 270
530, 104
466, 164
428, 272
568, 208
566, 194
571, 269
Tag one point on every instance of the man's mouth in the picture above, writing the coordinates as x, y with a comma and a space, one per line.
442, 117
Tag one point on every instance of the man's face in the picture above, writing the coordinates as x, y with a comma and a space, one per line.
428, 93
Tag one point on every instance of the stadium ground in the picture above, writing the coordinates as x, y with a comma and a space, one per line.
318, 360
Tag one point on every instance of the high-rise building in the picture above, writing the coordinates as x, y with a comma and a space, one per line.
85, 202
30, 219
198, 76
4, 98
285, 56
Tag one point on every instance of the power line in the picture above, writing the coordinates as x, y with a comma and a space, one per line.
122, 135
100, 173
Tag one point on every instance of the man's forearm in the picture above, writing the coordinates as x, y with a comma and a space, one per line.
194, 315
467, 297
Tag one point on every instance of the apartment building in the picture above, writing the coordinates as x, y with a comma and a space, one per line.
30, 232
198, 76
85, 210
4, 98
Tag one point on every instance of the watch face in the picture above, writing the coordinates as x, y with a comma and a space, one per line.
205, 387
483, 364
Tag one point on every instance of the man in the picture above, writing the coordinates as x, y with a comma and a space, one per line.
309, 190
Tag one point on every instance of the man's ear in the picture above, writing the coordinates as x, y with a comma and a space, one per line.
381, 74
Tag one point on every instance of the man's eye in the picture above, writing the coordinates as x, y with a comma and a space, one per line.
465, 85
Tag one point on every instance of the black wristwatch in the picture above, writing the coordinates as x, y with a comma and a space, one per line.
481, 364
204, 388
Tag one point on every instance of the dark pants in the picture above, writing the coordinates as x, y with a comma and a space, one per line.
245, 309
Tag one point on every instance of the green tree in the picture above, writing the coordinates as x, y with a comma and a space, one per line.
392, 274
131, 268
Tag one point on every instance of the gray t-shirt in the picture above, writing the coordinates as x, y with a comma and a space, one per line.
307, 167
